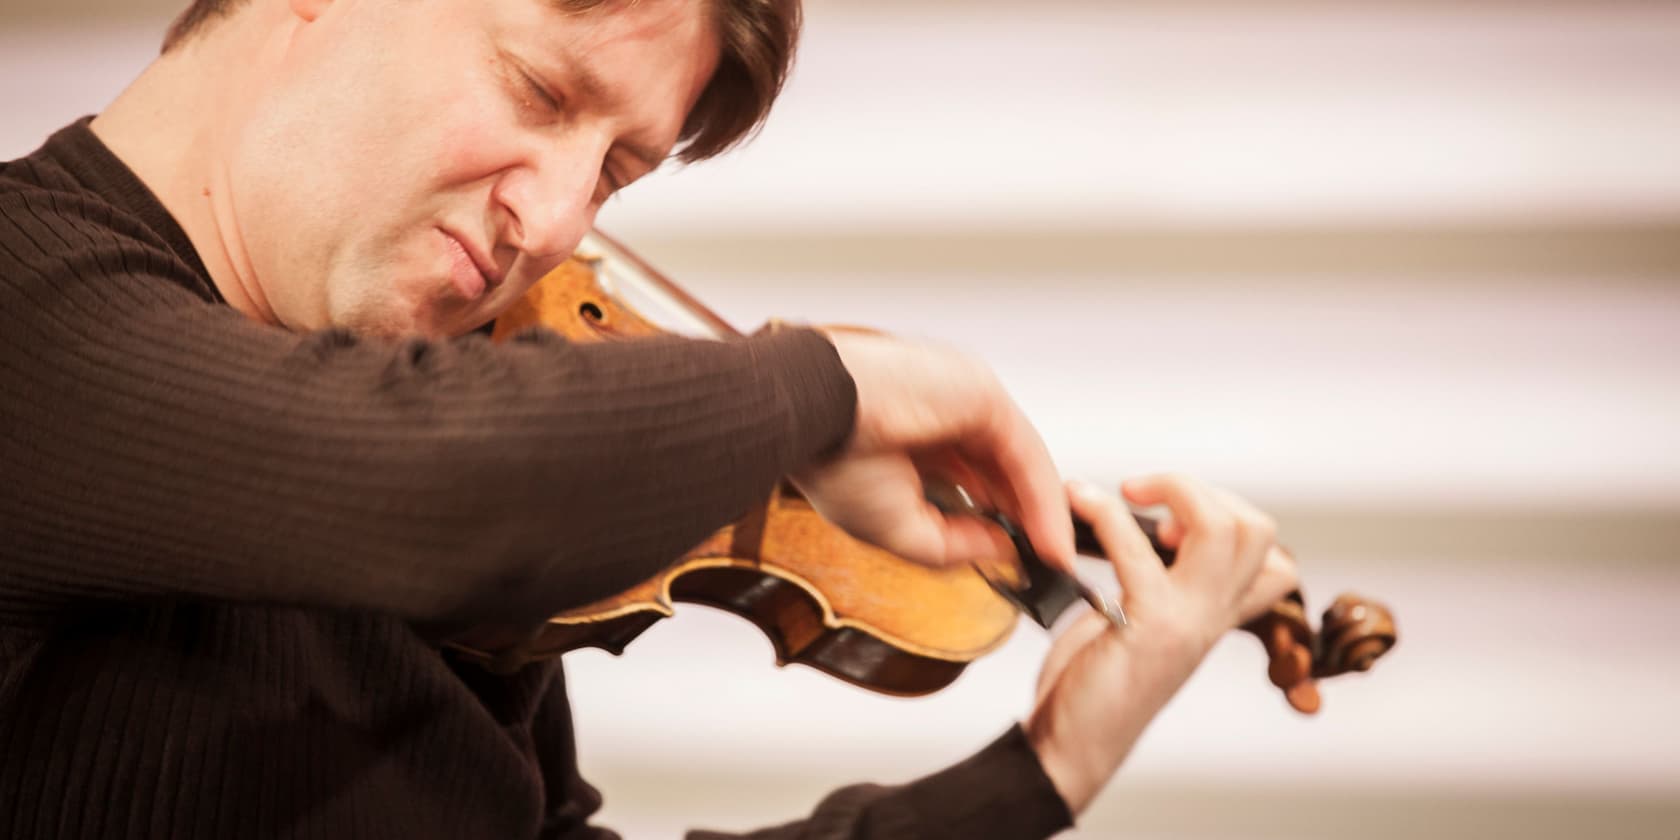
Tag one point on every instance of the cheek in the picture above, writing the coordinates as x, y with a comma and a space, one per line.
474, 127
473, 148
307, 164
286, 237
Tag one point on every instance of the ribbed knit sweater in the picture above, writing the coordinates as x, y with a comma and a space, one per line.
228, 552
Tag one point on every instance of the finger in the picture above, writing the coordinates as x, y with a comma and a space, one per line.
1023, 480
946, 466
931, 537
1142, 577
1238, 505
975, 541
1169, 532
1208, 552
1191, 506
946, 479
1256, 533
1255, 523
1278, 577
880, 500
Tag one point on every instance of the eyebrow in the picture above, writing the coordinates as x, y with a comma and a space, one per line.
594, 89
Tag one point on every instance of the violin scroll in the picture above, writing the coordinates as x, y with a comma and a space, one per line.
1353, 634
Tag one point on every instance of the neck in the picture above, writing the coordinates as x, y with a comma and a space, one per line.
173, 127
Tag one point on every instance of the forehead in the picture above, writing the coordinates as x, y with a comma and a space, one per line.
664, 31
626, 55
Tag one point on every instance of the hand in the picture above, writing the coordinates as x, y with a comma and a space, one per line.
1100, 687
925, 411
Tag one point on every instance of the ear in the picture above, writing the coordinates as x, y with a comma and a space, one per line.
308, 10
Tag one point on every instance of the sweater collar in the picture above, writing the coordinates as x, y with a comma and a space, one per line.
99, 169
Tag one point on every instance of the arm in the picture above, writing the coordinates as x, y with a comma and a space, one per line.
1099, 688
157, 444
1000, 792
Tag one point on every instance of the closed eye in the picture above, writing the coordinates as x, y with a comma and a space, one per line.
549, 100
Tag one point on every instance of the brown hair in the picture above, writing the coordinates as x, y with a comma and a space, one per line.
757, 39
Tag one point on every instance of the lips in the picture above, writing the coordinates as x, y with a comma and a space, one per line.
471, 272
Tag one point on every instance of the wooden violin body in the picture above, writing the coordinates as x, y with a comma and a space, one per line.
823, 598
777, 568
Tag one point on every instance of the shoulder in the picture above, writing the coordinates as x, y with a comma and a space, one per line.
59, 236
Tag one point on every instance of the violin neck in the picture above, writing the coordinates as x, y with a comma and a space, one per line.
1086, 543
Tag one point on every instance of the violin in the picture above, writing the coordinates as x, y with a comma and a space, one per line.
816, 592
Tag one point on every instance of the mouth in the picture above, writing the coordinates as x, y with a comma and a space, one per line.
471, 270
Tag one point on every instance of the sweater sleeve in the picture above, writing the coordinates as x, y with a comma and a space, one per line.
157, 444
999, 793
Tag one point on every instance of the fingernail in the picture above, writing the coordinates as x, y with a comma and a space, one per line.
1083, 489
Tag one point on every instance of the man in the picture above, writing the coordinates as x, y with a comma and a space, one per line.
253, 480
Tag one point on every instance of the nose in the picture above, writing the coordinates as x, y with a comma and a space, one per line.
551, 195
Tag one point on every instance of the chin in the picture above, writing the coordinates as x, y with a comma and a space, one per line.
421, 309
382, 319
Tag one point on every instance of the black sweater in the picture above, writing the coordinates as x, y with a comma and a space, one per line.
228, 551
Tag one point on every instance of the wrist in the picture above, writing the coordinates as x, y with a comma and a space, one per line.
1075, 783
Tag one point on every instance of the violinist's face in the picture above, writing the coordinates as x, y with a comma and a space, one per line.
415, 165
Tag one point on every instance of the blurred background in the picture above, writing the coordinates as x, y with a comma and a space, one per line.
1405, 273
